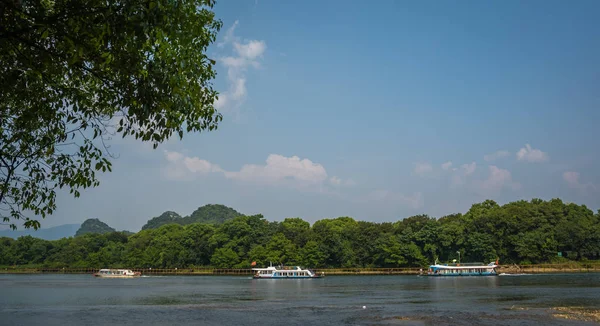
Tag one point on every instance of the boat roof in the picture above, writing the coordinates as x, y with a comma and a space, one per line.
270, 268
273, 268
461, 266
114, 269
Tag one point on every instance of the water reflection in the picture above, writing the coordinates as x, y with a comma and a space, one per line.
461, 282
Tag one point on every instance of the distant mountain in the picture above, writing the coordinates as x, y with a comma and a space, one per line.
207, 214
94, 225
167, 217
53, 233
211, 214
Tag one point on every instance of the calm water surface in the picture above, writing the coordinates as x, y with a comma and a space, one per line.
334, 300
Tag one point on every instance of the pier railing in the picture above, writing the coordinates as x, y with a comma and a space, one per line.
551, 268
509, 269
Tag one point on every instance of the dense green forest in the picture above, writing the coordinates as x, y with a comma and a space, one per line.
518, 232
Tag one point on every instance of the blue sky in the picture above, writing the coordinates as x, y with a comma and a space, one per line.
377, 111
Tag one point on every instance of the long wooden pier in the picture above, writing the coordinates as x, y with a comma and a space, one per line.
205, 271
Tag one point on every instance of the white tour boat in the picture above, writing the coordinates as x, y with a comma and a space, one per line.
465, 269
272, 272
117, 273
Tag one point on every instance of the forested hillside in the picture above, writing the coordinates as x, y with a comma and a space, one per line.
167, 217
94, 225
519, 232
207, 214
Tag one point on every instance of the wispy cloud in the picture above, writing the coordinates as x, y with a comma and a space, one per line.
468, 169
531, 155
423, 168
497, 180
335, 181
572, 180
245, 54
446, 166
459, 175
497, 155
339, 182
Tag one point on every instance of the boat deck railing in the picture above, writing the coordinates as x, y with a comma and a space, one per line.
462, 264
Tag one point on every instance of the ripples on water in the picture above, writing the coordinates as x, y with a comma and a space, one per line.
334, 300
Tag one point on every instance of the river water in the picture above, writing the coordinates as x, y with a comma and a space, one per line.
333, 300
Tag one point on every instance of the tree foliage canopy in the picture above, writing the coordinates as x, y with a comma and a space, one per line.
73, 73
518, 232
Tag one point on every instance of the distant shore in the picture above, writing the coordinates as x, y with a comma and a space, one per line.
204, 271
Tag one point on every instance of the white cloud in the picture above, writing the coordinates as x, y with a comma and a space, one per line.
423, 168
277, 170
197, 165
531, 155
498, 180
572, 179
234, 62
173, 156
496, 155
469, 168
414, 201
246, 54
251, 50
282, 170
446, 166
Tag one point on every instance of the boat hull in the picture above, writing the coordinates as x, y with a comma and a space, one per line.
116, 273
461, 274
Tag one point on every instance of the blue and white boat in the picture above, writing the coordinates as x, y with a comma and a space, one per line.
273, 272
464, 269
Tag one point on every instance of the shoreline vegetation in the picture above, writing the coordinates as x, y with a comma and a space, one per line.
207, 271
525, 236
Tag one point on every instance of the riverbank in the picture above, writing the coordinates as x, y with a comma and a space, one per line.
507, 269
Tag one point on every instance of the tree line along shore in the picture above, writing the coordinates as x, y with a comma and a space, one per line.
523, 234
